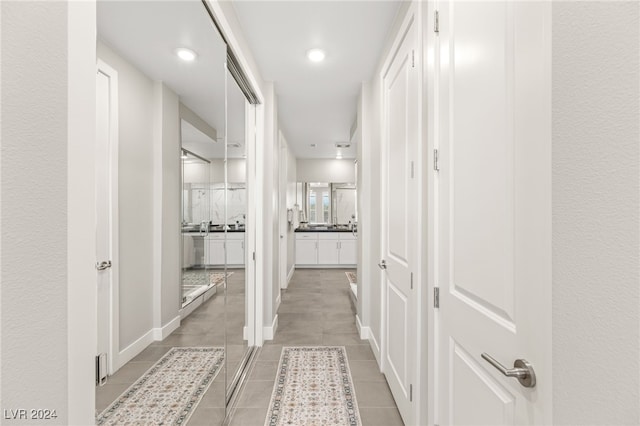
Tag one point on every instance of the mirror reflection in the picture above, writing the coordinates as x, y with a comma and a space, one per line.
175, 299
327, 204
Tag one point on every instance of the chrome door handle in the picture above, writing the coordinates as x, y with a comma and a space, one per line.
382, 264
105, 264
522, 370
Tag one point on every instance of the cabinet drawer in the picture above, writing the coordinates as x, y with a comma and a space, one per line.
216, 236
306, 235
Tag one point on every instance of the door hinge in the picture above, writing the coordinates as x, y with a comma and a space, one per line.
436, 297
412, 281
413, 59
254, 255
436, 22
436, 166
410, 393
412, 170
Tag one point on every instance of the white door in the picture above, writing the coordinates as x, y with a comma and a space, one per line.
493, 211
106, 212
399, 239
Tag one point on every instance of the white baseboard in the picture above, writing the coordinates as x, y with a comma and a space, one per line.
290, 274
163, 332
269, 332
365, 332
278, 301
131, 351
375, 347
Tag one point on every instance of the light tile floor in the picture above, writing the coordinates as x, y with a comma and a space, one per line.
315, 310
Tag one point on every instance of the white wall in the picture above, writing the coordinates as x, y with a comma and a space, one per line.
33, 210
236, 170
46, 136
136, 189
596, 205
167, 199
326, 170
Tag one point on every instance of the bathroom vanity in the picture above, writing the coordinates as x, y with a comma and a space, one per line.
325, 248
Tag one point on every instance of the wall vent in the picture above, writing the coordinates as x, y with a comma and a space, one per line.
343, 144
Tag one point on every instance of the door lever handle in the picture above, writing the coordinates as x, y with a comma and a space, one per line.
105, 264
382, 264
522, 370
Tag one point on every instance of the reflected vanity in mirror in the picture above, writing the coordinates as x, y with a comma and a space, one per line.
171, 121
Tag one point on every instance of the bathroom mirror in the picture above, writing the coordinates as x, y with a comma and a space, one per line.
327, 203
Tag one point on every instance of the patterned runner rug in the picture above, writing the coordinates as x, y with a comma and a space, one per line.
313, 387
351, 276
168, 392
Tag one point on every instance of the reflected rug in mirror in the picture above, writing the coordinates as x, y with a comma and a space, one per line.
313, 387
169, 392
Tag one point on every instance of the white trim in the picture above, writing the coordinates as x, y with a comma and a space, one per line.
300, 266
278, 301
365, 332
375, 348
81, 220
161, 333
131, 351
290, 274
270, 332
250, 236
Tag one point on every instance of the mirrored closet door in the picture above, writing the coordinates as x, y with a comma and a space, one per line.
174, 336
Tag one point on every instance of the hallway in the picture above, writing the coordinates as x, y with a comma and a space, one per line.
316, 310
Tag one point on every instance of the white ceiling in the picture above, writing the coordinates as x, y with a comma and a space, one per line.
146, 33
316, 101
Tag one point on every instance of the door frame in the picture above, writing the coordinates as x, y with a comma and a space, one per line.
113, 358
413, 17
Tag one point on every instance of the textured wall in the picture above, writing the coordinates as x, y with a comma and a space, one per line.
595, 213
34, 207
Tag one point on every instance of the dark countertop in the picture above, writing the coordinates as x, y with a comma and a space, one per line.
214, 231
323, 230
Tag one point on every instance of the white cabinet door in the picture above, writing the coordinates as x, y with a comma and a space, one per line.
306, 252
494, 268
214, 254
328, 252
235, 252
348, 252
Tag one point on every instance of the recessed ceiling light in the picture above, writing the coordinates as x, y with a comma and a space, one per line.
339, 156
316, 55
185, 54
313, 145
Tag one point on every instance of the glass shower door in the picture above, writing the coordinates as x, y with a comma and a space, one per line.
196, 251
